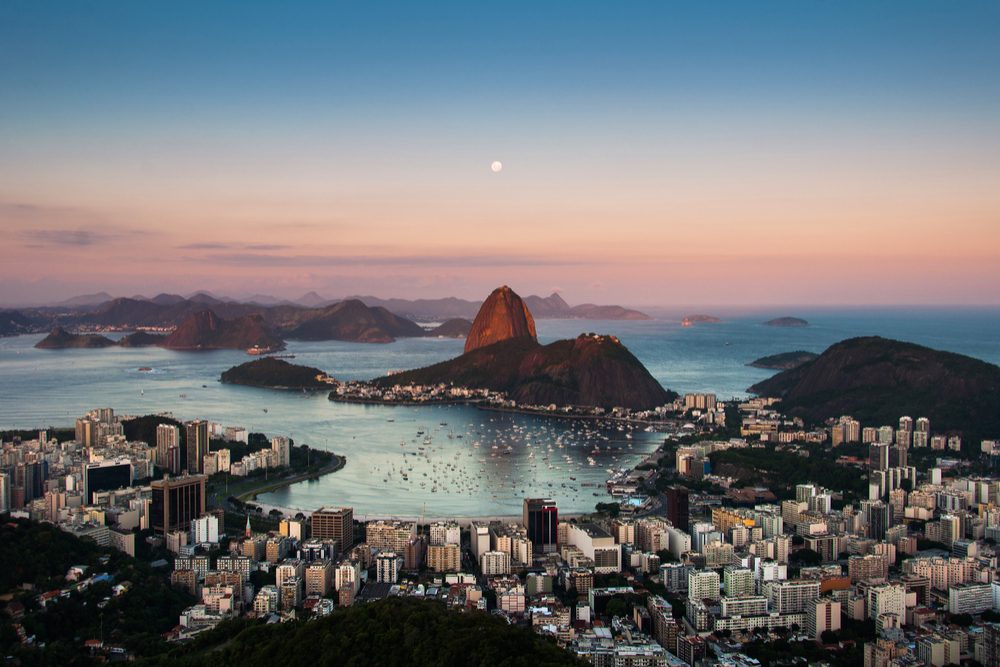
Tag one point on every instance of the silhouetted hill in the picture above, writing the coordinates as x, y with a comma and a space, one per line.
14, 323
787, 322
207, 331
543, 308
589, 370
395, 632
701, 319
141, 339
354, 321
84, 300
503, 316
454, 328
784, 361
274, 374
877, 380
60, 339
144, 429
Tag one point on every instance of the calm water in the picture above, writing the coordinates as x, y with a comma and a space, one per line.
472, 462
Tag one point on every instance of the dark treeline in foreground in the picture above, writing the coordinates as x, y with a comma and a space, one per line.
394, 631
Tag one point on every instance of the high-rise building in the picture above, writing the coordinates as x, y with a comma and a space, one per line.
445, 532
334, 524
792, 596
886, 599
282, 448
738, 581
387, 567
205, 530
479, 538
494, 563
541, 517
390, 535
923, 425
878, 456
177, 501
167, 436
677, 508
703, 585
444, 558
822, 615
319, 577
196, 433
4, 492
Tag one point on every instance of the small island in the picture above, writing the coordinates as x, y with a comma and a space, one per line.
699, 319
787, 322
784, 361
457, 327
272, 373
60, 339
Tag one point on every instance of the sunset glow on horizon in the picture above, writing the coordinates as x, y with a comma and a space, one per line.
653, 154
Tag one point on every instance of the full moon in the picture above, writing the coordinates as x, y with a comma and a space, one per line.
496, 166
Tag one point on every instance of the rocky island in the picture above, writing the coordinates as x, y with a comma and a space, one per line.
205, 330
784, 361
786, 322
273, 373
457, 327
60, 339
690, 320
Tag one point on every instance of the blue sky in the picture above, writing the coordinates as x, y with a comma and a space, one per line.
133, 118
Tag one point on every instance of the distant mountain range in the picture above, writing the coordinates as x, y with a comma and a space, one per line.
208, 323
878, 380
170, 310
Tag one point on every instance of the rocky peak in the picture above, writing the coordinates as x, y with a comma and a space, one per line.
503, 316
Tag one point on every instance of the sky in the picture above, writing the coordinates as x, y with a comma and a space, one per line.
654, 153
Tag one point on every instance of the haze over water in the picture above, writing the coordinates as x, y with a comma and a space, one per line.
46, 387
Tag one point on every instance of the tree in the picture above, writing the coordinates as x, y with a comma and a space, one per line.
829, 637
616, 607
805, 557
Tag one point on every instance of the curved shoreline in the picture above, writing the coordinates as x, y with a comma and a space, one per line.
270, 486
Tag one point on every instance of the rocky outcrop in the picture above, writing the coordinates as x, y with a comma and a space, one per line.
205, 330
503, 354
502, 317
589, 370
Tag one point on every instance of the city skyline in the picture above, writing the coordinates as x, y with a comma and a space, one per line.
652, 155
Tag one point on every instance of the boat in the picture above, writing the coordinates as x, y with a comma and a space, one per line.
144, 369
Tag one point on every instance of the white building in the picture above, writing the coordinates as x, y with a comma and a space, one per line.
494, 563
443, 533
387, 567
703, 585
205, 530
886, 599
970, 598
598, 545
